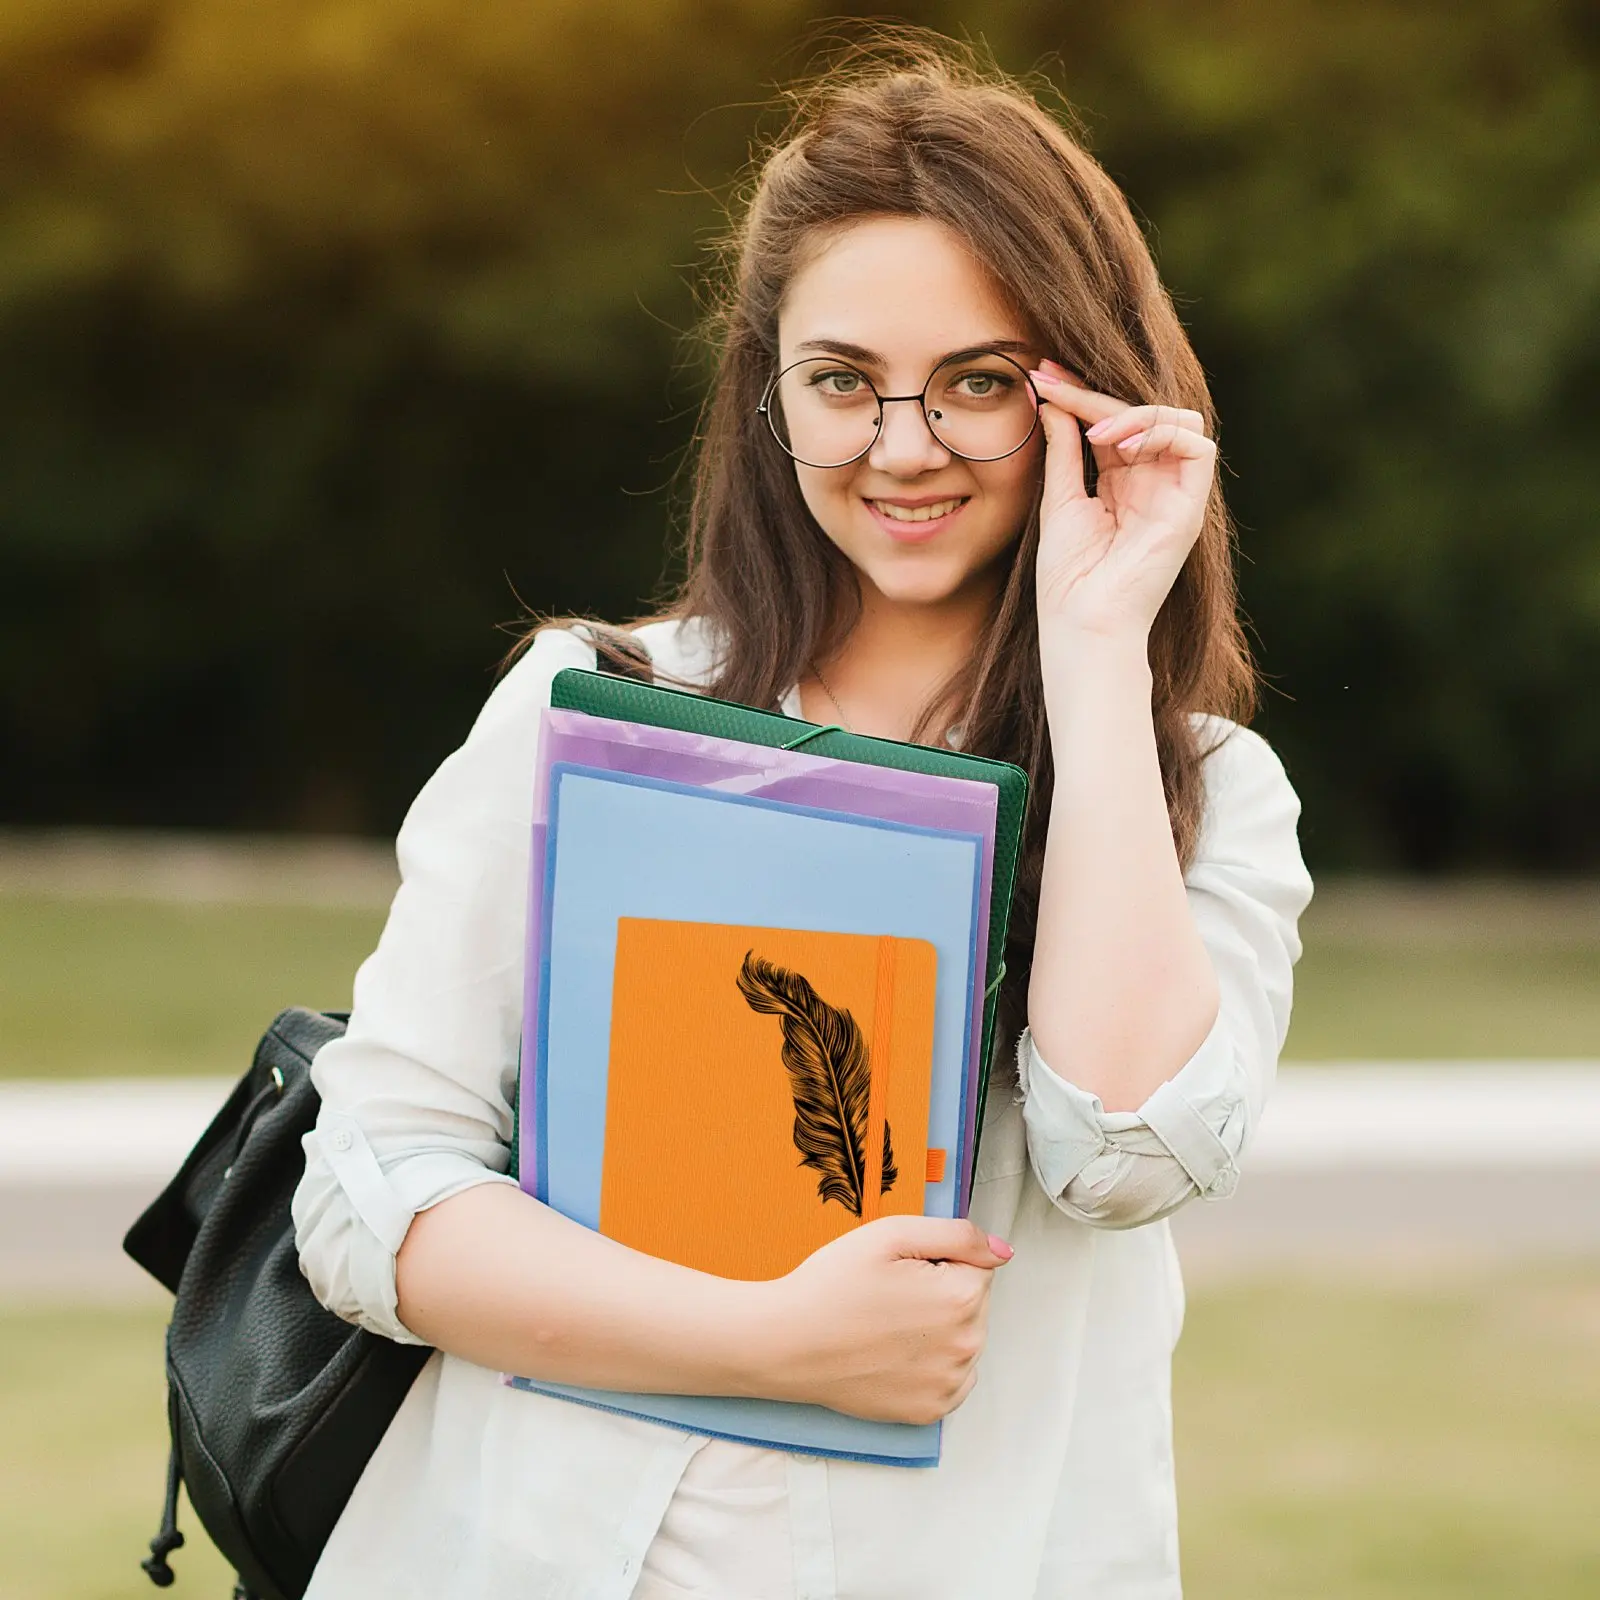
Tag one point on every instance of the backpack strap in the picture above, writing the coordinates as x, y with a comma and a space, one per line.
619, 652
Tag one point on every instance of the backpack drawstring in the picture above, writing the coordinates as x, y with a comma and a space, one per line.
168, 1539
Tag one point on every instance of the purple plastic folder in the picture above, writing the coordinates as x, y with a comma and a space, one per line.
732, 766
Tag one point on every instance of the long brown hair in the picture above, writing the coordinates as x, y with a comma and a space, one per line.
911, 125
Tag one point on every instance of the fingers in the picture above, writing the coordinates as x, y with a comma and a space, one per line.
1063, 458
1060, 389
941, 1239
1108, 420
1145, 419
1166, 439
968, 1383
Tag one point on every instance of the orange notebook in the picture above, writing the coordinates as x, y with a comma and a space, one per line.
767, 1090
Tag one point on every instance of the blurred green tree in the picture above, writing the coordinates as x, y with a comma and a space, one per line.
326, 329
326, 324
1383, 221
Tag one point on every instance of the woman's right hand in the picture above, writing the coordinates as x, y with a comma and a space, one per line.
887, 1321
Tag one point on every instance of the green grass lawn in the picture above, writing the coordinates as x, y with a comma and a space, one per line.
1346, 1442
83, 1459
1366, 1001
101, 987
95, 987
1336, 1441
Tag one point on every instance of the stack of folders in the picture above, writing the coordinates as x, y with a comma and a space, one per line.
762, 967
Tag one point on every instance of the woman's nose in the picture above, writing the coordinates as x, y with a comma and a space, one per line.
905, 444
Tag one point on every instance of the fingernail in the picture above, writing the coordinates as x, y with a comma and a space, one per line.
1040, 376
1055, 366
1101, 428
1000, 1247
1133, 443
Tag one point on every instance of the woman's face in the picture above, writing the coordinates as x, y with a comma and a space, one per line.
893, 297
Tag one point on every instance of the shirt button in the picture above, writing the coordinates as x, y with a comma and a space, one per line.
341, 1140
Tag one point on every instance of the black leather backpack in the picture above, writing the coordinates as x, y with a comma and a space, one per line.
275, 1404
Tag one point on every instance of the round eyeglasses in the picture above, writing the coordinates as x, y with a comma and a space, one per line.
979, 405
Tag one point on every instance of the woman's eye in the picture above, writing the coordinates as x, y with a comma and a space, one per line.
982, 385
839, 382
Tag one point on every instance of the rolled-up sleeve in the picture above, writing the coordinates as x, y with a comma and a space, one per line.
417, 1095
1247, 887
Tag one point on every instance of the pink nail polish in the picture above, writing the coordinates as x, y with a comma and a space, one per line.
1133, 443
1000, 1247
1098, 431
1040, 376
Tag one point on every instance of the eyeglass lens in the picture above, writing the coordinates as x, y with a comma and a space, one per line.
826, 414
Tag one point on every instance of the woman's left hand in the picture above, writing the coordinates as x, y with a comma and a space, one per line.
1106, 561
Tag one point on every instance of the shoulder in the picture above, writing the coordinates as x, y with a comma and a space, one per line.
523, 689
1250, 825
483, 790
1241, 770
681, 647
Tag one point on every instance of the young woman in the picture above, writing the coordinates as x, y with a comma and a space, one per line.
938, 308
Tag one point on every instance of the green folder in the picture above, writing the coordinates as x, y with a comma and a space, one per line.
602, 694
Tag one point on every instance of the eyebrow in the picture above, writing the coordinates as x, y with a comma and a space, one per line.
870, 358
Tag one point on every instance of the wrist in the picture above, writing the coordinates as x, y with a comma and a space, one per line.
1115, 635
1081, 662
759, 1329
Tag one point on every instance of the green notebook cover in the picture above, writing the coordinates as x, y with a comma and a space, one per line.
602, 694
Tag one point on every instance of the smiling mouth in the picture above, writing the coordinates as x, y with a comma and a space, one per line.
927, 513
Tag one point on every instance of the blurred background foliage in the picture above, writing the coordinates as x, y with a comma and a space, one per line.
330, 328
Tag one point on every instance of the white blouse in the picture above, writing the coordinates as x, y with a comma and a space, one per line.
1056, 1477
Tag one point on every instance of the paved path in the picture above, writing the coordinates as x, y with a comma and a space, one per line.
197, 868
1411, 1163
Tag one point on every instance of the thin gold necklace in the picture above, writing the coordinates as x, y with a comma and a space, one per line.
844, 721
952, 736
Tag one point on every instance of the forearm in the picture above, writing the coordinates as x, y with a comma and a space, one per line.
497, 1278
1122, 991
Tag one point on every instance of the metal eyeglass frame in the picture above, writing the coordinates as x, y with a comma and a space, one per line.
765, 408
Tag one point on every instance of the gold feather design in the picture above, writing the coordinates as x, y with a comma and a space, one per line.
830, 1076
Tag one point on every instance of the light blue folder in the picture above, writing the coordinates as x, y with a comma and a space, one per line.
618, 846
624, 846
